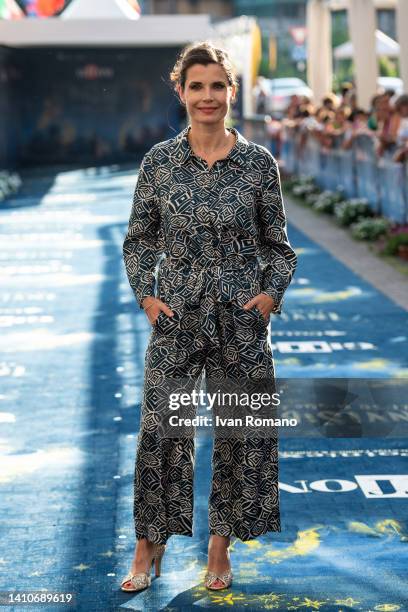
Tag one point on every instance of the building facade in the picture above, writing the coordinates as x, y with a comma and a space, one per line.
218, 9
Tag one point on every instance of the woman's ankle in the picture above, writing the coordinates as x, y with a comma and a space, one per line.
143, 546
144, 542
219, 541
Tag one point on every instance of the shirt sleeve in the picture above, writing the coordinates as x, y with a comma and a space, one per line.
141, 241
277, 258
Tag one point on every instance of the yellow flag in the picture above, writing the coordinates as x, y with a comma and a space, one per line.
272, 53
256, 51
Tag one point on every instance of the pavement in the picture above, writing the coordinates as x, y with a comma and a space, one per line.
356, 255
72, 349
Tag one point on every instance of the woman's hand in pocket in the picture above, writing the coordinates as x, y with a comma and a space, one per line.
262, 302
153, 306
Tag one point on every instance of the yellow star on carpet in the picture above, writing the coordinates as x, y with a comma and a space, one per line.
81, 567
229, 599
315, 604
346, 602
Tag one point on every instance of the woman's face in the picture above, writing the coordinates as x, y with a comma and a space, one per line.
383, 106
360, 120
207, 87
403, 110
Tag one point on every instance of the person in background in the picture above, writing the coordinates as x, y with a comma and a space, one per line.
273, 130
400, 128
372, 115
307, 120
350, 100
337, 126
345, 92
329, 103
260, 93
305, 101
380, 123
356, 125
321, 131
289, 123
390, 95
307, 123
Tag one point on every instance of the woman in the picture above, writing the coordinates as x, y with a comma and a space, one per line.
400, 128
356, 125
211, 202
380, 123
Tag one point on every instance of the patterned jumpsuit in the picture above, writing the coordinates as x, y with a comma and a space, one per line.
219, 236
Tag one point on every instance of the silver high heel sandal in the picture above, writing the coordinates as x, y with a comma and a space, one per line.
142, 580
211, 577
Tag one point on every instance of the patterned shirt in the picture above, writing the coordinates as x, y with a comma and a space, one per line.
225, 226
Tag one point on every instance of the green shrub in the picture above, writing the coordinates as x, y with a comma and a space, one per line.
351, 211
10, 182
311, 198
290, 182
370, 229
392, 244
326, 200
299, 185
301, 191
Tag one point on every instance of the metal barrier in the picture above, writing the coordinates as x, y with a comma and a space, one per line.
309, 157
366, 171
358, 171
392, 182
254, 130
347, 172
288, 152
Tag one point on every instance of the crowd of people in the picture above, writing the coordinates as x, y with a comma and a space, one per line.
338, 120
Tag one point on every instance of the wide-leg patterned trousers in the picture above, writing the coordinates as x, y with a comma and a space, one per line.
227, 342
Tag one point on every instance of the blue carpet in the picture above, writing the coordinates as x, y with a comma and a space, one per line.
71, 371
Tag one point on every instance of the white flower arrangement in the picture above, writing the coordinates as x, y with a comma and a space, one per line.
10, 183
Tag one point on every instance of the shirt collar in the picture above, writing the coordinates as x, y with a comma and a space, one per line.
237, 154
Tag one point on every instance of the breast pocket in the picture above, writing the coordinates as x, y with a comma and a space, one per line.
176, 207
238, 209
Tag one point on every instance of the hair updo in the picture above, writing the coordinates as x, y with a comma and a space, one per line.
201, 53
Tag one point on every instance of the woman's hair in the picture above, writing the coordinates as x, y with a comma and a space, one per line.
356, 112
402, 100
201, 53
345, 110
324, 115
330, 98
374, 100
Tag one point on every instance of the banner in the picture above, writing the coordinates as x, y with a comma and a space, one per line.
89, 105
